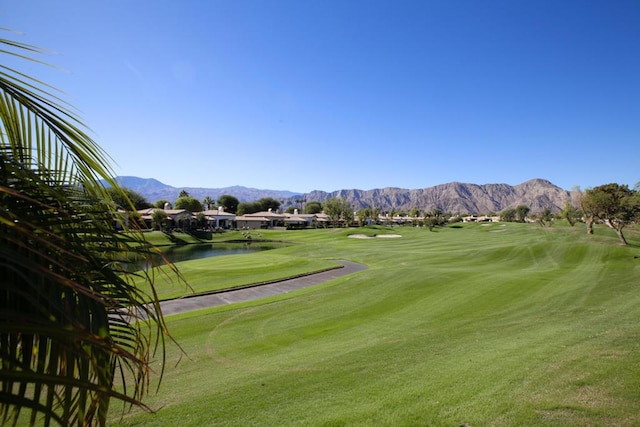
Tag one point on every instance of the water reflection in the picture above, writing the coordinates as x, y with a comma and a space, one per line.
189, 252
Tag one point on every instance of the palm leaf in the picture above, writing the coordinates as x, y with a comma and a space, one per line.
70, 319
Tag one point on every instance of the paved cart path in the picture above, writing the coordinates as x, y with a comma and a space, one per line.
188, 303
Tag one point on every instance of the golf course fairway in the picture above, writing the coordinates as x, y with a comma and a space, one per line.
501, 324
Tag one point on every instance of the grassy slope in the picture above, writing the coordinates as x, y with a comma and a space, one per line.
485, 325
222, 272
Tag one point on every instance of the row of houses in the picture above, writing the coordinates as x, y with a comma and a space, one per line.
218, 219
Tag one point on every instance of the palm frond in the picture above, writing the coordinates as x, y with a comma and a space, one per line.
69, 318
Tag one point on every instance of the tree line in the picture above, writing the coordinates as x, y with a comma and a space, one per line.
615, 205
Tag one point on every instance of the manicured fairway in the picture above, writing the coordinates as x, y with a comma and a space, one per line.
496, 325
224, 272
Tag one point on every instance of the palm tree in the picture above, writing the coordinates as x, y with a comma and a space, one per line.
208, 202
71, 319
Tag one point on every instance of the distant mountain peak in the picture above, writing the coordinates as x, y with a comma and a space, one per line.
154, 190
134, 180
454, 197
457, 197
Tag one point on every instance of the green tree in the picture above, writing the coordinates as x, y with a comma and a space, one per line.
616, 205
439, 216
430, 222
546, 217
333, 209
201, 219
313, 208
246, 208
587, 210
229, 203
364, 216
159, 218
339, 211
189, 203
160, 204
375, 214
569, 213
124, 198
70, 316
267, 203
347, 214
508, 215
184, 193
433, 218
521, 213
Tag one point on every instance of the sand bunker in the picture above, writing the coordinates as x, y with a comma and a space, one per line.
378, 236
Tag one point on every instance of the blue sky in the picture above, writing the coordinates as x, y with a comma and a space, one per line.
327, 95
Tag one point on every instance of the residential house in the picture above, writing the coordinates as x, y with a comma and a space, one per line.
264, 219
480, 218
176, 218
219, 219
298, 220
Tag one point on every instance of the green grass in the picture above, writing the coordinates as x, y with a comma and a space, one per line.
224, 272
159, 238
489, 325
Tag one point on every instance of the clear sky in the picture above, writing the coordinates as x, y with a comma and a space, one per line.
306, 95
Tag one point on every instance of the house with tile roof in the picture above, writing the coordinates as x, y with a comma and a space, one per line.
218, 218
264, 219
177, 218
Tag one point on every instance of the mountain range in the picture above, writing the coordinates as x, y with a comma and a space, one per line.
154, 190
454, 197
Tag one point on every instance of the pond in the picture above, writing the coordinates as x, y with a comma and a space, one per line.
207, 250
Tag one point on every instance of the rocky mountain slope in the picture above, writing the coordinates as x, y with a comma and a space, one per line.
454, 197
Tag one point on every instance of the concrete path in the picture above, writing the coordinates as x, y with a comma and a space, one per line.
188, 303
